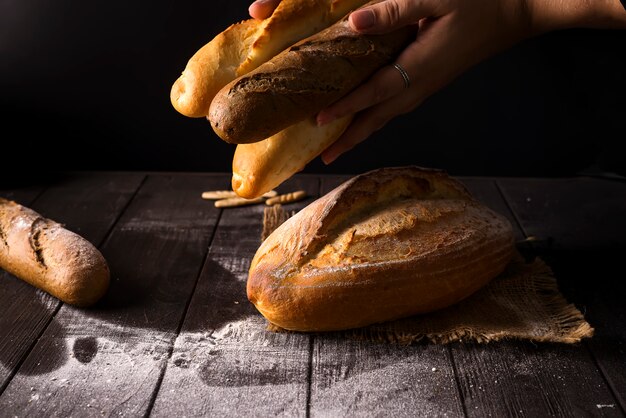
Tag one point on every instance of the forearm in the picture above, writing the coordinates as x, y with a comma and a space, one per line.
548, 15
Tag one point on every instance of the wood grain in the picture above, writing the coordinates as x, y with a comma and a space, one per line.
371, 379
583, 229
497, 380
176, 336
87, 205
108, 360
225, 362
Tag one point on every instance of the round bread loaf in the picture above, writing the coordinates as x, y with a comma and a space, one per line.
384, 245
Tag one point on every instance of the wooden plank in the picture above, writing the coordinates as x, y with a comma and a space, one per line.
109, 360
370, 378
85, 204
511, 378
486, 191
520, 378
22, 195
225, 362
582, 224
570, 214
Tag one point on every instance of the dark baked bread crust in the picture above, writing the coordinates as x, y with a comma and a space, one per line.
384, 245
301, 81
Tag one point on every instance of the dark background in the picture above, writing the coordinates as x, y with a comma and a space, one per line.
85, 86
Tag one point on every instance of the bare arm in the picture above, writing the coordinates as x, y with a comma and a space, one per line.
453, 36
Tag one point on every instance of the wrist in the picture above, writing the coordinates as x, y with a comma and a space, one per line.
549, 15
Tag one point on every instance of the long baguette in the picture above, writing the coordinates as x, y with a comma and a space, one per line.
245, 45
300, 81
384, 245
46, 255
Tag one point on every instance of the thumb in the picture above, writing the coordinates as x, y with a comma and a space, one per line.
387, 15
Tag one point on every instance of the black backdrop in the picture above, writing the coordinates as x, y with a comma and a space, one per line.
85, 85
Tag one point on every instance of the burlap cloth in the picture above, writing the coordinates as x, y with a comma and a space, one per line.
524, 302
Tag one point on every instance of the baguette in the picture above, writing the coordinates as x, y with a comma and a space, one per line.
300, 81
245, 45
384, 245
46, 255
262, 166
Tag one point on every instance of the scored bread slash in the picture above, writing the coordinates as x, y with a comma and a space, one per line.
232, 202
227, 194
287, 198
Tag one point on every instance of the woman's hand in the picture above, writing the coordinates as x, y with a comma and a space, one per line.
453, 35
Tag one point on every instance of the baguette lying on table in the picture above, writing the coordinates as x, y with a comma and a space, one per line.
46, 255
384, 245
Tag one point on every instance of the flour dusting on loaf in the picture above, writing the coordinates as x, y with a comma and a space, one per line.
384, 245
50, 257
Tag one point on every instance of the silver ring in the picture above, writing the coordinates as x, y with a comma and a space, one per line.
403, 73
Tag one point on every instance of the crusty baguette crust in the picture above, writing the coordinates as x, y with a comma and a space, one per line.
210, 68
301, 81
386, 244
46, 255
263, 165
245, 45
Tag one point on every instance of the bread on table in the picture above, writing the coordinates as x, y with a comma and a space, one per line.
46, 255
384, 245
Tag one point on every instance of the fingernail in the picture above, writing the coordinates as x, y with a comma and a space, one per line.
324, 118
327, 160
363, 19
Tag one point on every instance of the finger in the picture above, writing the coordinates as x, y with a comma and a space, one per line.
358, 131
384, 84
392, 14
262, 9
425, 63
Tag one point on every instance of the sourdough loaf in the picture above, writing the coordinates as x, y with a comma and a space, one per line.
50, 257
302, 80
385, 244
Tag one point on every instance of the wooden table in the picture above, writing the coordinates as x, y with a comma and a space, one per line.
176, 336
